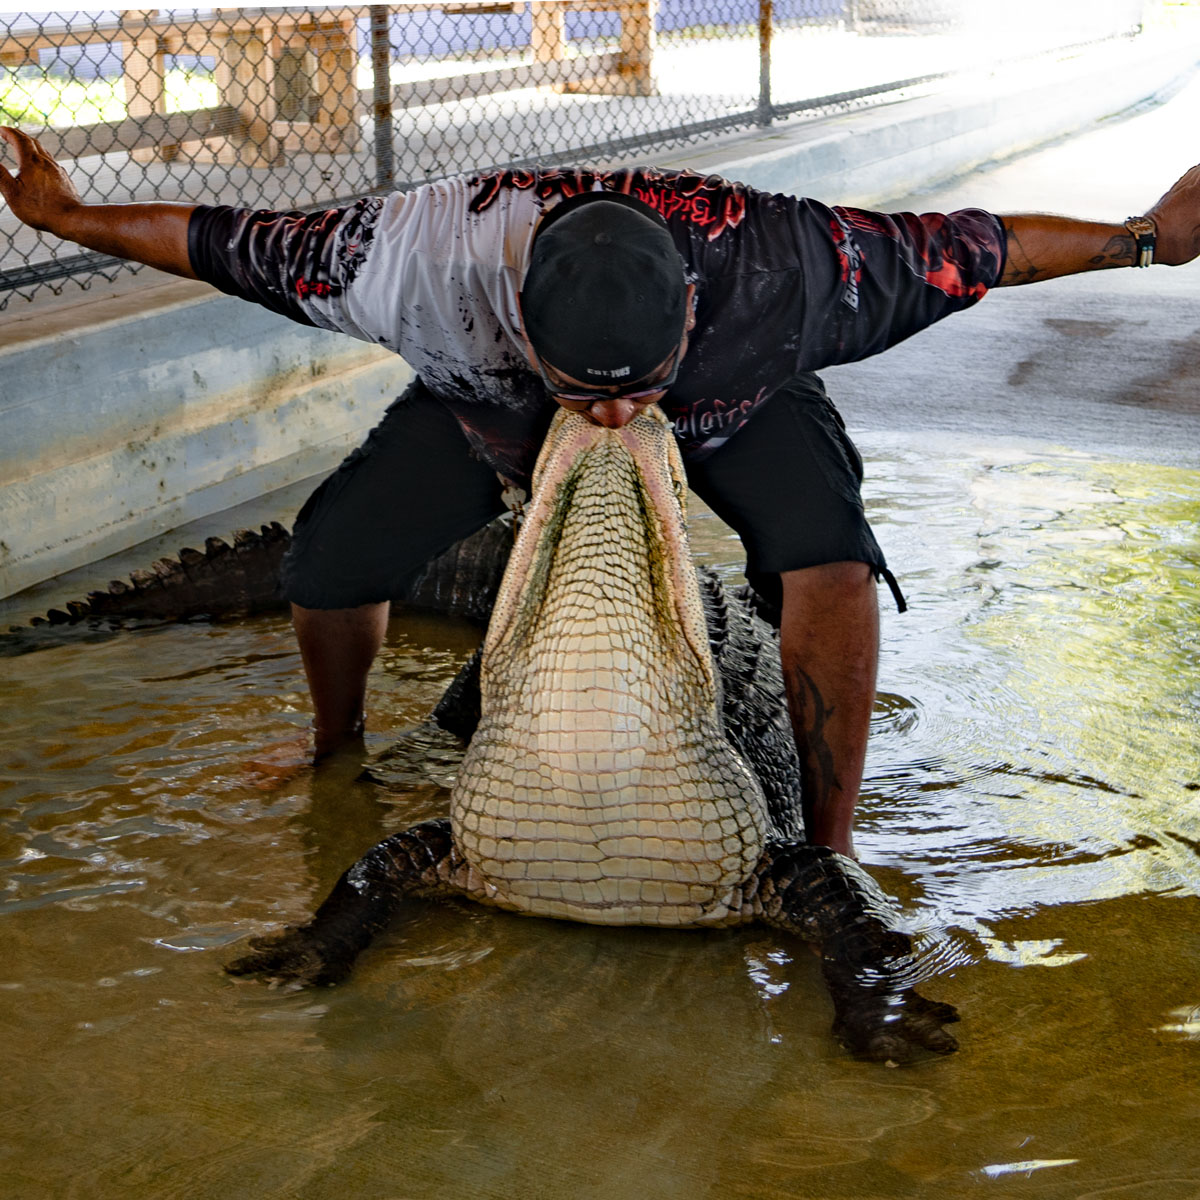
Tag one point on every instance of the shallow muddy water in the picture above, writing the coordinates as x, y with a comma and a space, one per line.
1032, 799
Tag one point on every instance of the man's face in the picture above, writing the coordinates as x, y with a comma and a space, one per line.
614, 407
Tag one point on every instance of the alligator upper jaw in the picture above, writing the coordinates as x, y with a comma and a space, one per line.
640, 458
599, 785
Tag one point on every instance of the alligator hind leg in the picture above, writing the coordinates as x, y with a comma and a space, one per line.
421, 862
830, 900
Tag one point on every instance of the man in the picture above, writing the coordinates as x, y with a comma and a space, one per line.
604, 292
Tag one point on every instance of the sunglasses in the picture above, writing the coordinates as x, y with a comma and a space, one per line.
643, 393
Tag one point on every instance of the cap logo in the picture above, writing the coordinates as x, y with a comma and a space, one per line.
610, 372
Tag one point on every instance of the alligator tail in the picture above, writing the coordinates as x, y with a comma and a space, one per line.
222, 580
225, 580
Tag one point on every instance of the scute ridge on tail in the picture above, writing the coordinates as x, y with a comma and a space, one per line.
241, 577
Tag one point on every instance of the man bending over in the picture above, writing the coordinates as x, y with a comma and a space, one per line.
604, 292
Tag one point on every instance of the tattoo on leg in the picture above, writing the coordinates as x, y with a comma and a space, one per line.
809, 716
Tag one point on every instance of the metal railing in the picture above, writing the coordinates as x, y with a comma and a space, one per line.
302, 107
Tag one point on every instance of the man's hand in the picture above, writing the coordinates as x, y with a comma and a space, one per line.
1177, 218
40, 194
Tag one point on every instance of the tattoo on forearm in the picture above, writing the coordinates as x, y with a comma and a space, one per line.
1121, 251
809, 716
1019, 267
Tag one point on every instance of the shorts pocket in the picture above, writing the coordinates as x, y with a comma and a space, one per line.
838, 457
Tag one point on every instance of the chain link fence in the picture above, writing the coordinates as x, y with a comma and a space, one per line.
298, 108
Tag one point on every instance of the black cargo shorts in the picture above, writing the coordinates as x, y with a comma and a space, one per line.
788, 483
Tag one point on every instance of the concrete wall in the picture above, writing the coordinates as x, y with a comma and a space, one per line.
134, 411
875, 155
128, 415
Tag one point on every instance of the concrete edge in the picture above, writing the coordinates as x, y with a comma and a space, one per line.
869, 157
121, 304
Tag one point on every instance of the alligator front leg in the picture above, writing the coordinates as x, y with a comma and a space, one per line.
830, 900
421, 862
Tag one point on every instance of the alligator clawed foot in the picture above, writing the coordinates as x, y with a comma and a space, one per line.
292, 958
893, 1027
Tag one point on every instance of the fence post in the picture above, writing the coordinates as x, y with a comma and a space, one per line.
637, 46
381, 74
333, 39
246, 82
548, 31
766, 19
145, 81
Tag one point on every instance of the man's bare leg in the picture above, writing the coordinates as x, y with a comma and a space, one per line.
829, 643
338, 646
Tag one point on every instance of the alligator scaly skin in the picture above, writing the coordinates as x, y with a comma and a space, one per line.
233, 580
607, 778
806, 890
599, 785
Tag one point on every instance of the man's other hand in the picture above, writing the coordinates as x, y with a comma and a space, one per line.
1176, 217
40, 193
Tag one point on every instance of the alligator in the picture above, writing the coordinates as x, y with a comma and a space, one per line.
241, 578
630, 759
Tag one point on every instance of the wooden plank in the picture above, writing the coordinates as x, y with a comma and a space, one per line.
443, 90
637, 46
466, 8
240, 39
338, 100
28, 44
84, 141
549, 31
145, 77
246, 81
157, 129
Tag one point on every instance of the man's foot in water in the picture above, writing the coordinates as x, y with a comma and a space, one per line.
279, 762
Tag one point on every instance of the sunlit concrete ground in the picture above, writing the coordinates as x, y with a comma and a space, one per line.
1106, 362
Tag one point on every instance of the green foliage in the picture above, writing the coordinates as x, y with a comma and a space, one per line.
187, 90
30, 96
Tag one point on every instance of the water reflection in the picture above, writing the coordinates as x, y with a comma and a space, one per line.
1025, 1168
1031, 796
1050, 734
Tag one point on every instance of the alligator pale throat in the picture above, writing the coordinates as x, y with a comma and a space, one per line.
630, 759
599, 785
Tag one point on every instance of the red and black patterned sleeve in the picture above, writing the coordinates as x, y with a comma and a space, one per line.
892, 275
296, 264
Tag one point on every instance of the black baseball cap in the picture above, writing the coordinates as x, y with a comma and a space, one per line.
604, 299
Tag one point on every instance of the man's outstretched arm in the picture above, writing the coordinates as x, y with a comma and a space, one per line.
1045, 247
41, 195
